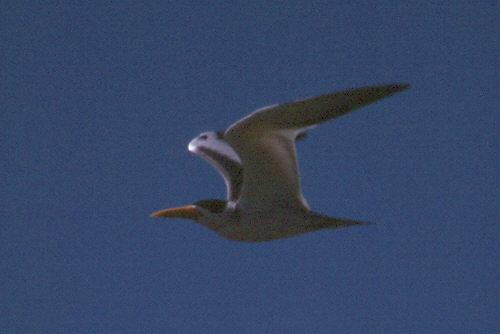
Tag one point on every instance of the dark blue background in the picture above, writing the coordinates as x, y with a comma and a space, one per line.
99, 101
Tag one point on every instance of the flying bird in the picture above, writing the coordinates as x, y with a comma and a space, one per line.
256, 156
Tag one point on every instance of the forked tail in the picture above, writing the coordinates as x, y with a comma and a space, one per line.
321, 221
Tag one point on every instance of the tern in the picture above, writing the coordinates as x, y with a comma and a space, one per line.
256, 156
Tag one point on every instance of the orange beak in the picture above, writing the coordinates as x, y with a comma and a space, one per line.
186, 212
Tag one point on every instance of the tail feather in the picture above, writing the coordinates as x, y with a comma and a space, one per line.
321, 221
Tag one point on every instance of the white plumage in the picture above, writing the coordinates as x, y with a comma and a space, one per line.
257, 158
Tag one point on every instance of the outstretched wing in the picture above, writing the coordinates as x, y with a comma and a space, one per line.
265, 143
213, 148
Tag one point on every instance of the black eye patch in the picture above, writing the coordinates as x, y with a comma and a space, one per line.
212, 205
203, 137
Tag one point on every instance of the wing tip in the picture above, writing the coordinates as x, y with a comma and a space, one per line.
400, 86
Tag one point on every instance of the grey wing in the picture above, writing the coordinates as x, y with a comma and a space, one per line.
265, 143
214, 149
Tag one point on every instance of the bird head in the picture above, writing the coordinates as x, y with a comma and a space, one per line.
195, 211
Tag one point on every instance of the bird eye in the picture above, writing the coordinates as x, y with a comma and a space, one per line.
203, 137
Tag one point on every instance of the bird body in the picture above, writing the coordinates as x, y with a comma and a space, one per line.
257, 158
263, 225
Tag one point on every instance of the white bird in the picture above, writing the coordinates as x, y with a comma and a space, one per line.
257, 158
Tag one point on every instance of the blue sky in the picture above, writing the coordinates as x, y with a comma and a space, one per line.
99, 102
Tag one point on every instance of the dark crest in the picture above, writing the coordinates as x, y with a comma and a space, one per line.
212, 205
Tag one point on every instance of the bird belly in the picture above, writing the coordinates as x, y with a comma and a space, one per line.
265, 227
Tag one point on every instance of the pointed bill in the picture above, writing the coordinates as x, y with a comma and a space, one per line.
186, 212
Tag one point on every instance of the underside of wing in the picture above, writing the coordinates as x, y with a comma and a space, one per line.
265, 142
271, 176
316, 110
214, 149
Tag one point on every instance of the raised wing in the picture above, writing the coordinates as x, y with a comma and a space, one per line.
213, 148
265, 143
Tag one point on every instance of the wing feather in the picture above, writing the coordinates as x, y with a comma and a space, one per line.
265, 143
216, 151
